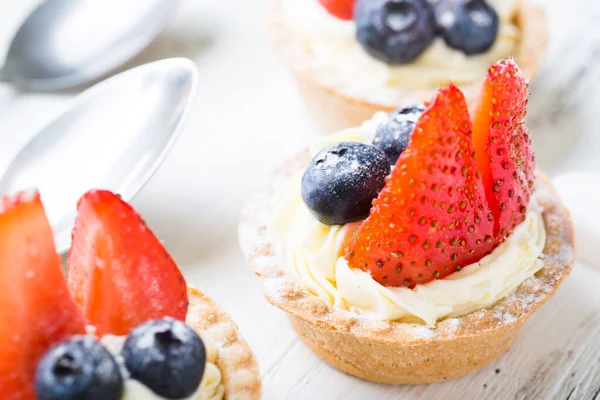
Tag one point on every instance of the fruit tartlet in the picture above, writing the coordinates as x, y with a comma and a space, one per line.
352, 58
413, 248
123, 326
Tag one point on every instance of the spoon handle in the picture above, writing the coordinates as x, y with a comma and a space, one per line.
3, 76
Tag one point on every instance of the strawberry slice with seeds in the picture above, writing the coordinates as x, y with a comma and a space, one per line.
342, 9
431, 218
36, 309
119, 272
502, 145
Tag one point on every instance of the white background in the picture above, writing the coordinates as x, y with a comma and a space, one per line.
248, 117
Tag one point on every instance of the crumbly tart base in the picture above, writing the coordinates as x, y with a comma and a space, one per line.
403, 353
237, 363
332, 109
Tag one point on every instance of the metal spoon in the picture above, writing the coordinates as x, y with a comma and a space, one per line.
114, 136
64, 43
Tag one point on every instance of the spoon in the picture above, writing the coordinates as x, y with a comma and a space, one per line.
65, 43
114, 136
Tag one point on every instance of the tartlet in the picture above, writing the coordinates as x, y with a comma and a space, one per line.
452, 203
236, 361
123, 324
333, 108
400, 353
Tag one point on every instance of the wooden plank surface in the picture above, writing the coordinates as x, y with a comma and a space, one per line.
248, 117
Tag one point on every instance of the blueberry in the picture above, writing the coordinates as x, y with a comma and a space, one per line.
78, 369
470, 26
342, 180
395, 31
392, 135
167, 356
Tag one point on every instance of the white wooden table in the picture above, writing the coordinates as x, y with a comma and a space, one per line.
248, 117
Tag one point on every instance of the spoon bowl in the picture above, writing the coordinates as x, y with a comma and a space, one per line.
114, 136
64, 43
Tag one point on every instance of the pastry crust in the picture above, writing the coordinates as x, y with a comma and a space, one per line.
403, 353
334, 110
237, 363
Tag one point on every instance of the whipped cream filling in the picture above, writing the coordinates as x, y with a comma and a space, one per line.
314, 255
211, 387
339, 59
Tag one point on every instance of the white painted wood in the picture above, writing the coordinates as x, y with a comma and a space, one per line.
248, 117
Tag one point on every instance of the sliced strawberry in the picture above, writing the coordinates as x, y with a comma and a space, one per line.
502, 145
119, 272
36, 310
431, 217
342, 9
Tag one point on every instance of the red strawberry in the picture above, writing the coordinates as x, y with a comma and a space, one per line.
119, 272
431, 217
36, 310
502, 145
342, 9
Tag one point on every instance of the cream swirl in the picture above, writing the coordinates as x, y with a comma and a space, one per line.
332, 49
313, 255
211, 387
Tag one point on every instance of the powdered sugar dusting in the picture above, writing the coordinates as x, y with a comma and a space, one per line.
450, 325
24, 196
504, 316
422, 332
276, 287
